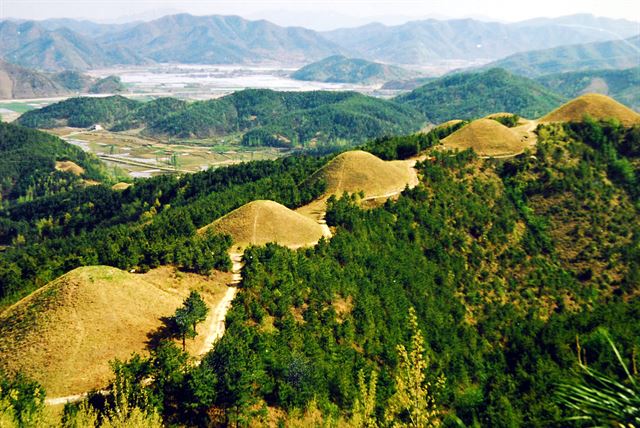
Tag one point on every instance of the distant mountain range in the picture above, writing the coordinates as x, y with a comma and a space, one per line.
31, 45
420, 42
69, 44
340, 69
18, 82
221, 40
613, 54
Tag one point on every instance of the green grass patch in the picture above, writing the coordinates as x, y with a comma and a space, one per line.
18, 107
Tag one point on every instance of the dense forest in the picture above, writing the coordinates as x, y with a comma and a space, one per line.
502, 287
473, 95
150, 224
516, 270
265, 117
340, 69
28, 165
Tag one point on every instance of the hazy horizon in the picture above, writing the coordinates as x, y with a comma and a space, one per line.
311, 14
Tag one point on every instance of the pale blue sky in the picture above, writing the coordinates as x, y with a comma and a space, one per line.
321, 15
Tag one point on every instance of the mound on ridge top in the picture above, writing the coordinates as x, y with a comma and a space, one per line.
261, 222
357, 170
487, 137
65, 334
597, 106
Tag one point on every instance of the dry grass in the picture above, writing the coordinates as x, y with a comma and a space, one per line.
261, 222
68, 166
65, 334
357, 171
487, 137
597, 106
343, 307
121, 186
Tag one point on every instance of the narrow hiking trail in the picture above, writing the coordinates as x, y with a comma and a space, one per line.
217, 322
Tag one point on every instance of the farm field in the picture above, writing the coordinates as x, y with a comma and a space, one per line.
140, 156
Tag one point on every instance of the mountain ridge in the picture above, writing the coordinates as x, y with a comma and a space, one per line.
189, 39
611, 54
476, 94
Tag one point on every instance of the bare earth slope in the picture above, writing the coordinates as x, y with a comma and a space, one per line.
597, 106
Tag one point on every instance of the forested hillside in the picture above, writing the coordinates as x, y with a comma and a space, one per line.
265, 117
506, 264
148, 225
340, 69
623, 85
29, 168
473, 95
512, 268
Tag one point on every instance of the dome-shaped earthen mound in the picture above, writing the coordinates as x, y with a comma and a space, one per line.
65, 334
121, 186
261, 222
69, 166
357, 171
597, 106
487, 137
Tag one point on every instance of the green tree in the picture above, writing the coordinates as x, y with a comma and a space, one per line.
193, 311
21, 402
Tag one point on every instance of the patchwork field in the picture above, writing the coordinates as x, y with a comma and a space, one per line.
145, 157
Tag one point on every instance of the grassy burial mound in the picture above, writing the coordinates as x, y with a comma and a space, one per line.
70, 166
597, 106
487, 137
65, 334
121, 186
261, 222
359, 171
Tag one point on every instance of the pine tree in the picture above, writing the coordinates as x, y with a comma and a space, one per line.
193, 311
